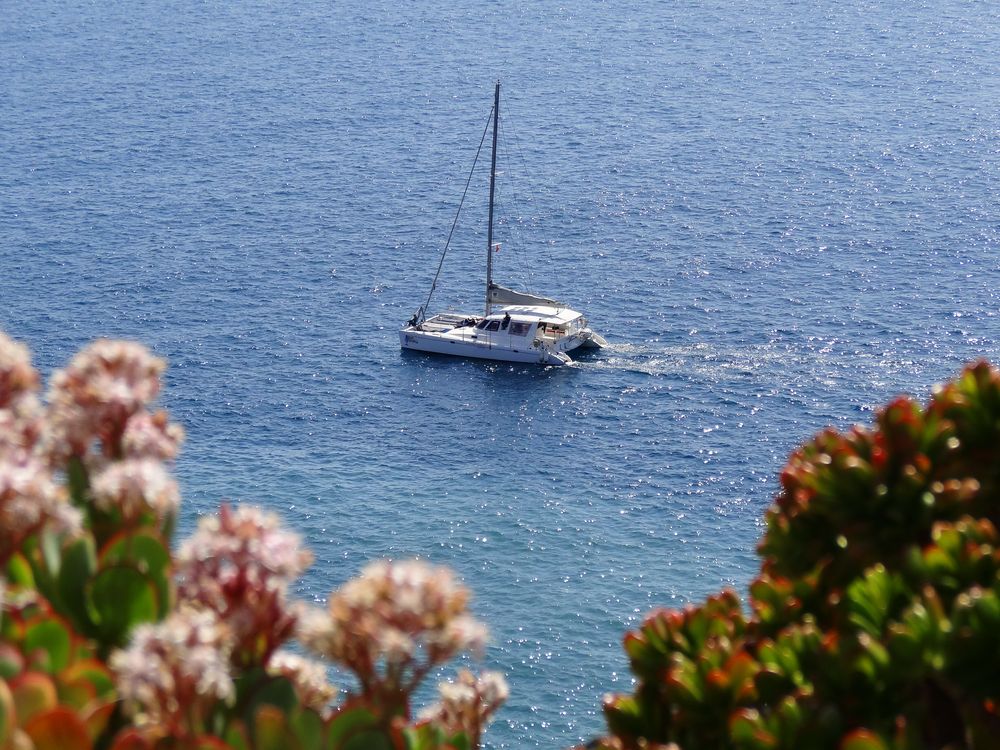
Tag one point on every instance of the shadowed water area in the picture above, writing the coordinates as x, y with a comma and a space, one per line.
779, 214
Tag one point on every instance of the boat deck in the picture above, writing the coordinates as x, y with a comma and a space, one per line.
442, 322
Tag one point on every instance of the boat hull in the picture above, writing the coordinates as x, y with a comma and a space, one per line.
437, 343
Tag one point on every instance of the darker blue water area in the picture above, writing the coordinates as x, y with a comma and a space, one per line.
780, 214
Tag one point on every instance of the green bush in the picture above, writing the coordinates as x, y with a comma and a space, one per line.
875, 621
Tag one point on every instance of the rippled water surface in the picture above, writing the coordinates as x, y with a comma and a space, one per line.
781, 214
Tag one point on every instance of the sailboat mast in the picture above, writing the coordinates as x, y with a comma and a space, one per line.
493, 180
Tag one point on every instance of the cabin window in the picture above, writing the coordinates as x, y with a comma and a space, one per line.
482, 324
519, 328
493, 326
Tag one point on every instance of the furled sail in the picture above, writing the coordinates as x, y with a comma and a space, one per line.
501, 295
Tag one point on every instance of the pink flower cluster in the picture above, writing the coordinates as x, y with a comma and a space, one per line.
174, 672
151, 436
92, 400
18, 379
393, 624
233, 575
134, 487
29, 496
468, 704
307, 677
98, 415
239, 565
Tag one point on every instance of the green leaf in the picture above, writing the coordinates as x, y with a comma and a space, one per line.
208, 742
270, 728
33, 693
92, 672
869, 600
144, 551
685, 683
772, 684
118, 599
261, 695
19, 572
347, 724
743, 723
235, 736
369, 740
38, 552
906, 651
307, 726
747, 730
423, 736
790, 717
273, 691
624, 715
77, 569
78, 482
51, 637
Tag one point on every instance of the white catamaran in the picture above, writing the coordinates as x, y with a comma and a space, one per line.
517, 326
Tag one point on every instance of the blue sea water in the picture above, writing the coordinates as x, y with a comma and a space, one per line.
781, 214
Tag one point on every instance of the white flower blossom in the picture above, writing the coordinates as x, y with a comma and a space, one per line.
173, 672
30, 498
307, 677
394, 623
152, 436
93, 398
468, 703
134, 486
239, 564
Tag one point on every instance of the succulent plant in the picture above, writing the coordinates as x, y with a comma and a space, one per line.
875, 619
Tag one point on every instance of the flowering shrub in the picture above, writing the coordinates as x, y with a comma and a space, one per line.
875, 621
392, 625
238, 566
467, 703
109, 640
174, 672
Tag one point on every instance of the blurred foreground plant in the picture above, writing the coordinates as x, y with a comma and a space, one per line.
109, 640
876, 617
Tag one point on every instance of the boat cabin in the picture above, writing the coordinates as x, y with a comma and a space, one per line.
530, 322
507, 324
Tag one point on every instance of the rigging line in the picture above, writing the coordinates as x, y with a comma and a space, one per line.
520, 154
459, 211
